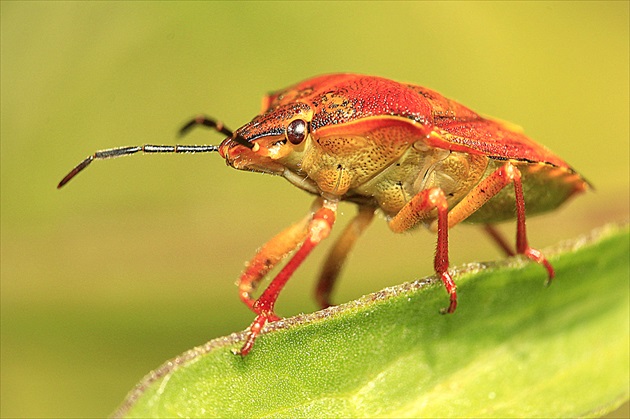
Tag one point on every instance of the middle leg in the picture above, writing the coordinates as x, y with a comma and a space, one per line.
339, 252
421, 208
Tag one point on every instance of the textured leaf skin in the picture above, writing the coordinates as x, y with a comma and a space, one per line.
514, 348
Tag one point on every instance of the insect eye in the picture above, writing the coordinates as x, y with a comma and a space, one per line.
296, 131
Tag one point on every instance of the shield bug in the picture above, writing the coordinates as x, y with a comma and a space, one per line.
402, 149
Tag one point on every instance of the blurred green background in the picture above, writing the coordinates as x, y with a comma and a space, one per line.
135, 261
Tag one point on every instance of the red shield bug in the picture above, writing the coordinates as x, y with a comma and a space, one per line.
404, 150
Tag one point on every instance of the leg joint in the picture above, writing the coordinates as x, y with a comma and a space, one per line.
510, 172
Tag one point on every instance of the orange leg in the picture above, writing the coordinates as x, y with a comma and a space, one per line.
318, 229
419, 208
268, 256
488, 188
338, 254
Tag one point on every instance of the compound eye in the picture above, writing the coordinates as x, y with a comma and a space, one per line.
296, 131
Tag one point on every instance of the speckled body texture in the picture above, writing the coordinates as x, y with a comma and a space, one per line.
378, 142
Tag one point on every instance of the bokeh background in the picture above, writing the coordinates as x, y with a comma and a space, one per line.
135, 261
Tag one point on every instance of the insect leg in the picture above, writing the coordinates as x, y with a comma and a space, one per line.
522, 245
268, 256
318, 229
125, 151
488, 188
418, 209
339, 252
498, 238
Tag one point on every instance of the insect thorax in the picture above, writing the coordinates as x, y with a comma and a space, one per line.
420, 168
384, 174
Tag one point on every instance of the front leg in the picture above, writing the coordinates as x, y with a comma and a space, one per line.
318, 229
420, 208
268, 256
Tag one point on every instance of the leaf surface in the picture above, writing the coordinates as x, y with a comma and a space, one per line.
513, 348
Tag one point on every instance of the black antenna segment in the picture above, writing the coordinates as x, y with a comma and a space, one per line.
200, 120
125, 151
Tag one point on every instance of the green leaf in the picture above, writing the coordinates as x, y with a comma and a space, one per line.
513, 348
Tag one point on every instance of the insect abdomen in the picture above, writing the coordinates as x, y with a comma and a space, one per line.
545, 187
